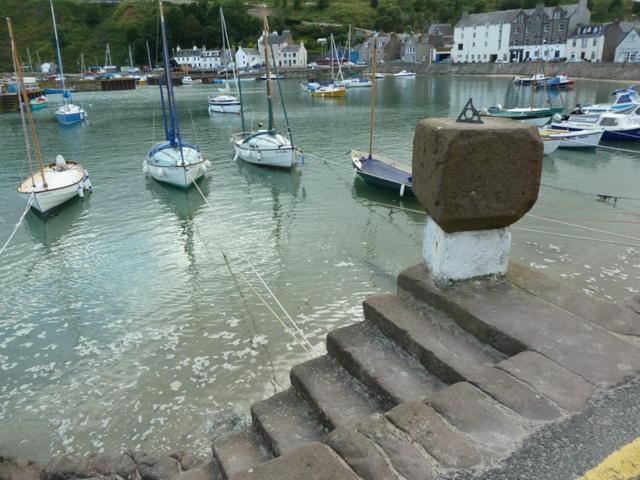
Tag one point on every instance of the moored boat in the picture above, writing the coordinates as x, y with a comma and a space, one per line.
614, 126
559, 81
574, 139
328, 91
536, 116
626, 100
224, 102
529, 80
550, 145
54, 184
38, 103
404, 74
172, 161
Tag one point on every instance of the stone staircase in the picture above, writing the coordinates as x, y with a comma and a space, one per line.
432, 381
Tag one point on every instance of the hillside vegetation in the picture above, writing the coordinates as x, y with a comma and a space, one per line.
87, 26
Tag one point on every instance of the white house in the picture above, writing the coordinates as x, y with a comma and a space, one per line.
198, 58
294, 56
248, 57
483, 37
594, 43
628, 50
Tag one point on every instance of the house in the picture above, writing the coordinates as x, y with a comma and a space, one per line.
199, 59
541, 32
594, 43
248, 57
439, 42
389, 48
408, 48
628, 50
294, 56
483, 37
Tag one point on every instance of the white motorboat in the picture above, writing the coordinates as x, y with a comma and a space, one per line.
187, 80
614, 126
54, 184
404, 73
574, 139
538, 77
359, 83
626, 100
172, 161
266, 146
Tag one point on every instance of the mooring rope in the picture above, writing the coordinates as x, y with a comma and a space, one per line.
15, 229
306, 345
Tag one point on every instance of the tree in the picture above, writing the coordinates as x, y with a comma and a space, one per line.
374, 4
323, 4
297, 4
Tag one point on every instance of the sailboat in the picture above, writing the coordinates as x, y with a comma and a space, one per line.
68, 113
225, 102
266, 146
53, 184
377, 169
173, 161
338, 85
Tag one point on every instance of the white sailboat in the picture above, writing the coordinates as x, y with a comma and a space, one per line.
266, 146
173, 161
225, 102
53, 184
68, 113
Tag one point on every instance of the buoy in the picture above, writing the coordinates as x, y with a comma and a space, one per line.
87, 183
402, 190
80, 191
235, 157
145, 167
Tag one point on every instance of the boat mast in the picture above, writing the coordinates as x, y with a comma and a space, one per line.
349, 49
374, 65
174, 131
29, 57
149, 56
331, 53
130, 58
23, 101
265, 36
55, 32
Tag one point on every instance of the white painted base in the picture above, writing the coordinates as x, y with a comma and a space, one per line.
465, 255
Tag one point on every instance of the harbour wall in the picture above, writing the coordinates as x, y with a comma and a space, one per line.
623, 72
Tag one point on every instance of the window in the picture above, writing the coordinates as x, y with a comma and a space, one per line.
584, 43
593, 55
561, 27
527, 28
486, 44
473, 44
459, 46
517, 30
595, 42
474, 34
546, 28
556, 14
574, 42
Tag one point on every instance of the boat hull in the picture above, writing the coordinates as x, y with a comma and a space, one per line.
381, 173
620, 135
74, 184
577, 139
282, 156
224, 108
328, 93
167, 165
70, 114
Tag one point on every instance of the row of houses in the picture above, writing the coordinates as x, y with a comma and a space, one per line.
286, 53
560, 32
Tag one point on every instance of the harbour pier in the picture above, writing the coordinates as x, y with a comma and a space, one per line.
455, 371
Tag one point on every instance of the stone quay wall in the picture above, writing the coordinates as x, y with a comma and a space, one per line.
596, 71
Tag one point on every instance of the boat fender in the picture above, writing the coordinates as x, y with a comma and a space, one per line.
160, 172
207, 164
355, 172
301, 159
145, 167
235, 157
402, 190
80, 191
87, 183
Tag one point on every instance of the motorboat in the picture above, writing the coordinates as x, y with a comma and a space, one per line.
550, 145
626, 100
536, 116
558, 81
404, 74
538, 77
614, 126
224, 104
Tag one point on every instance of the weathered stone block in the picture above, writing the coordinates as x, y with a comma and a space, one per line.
311, 462
153, 466
361, 454
18, 469
476, 177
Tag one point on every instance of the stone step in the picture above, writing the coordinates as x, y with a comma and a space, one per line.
286, 421
239, 451
380, 364
513, 320
454, 356
444, 351
339, 399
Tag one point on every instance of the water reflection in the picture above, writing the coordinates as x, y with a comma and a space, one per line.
50, 228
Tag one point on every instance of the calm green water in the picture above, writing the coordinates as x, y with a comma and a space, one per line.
123, 326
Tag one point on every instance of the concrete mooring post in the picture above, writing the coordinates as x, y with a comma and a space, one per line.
474, 180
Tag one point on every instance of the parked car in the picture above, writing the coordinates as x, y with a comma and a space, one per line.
312, 65
575, 60
501, 61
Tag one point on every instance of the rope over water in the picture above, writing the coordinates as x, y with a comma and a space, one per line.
15, 229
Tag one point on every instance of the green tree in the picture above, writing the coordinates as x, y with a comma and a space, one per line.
297, 4
374, 3
323, 4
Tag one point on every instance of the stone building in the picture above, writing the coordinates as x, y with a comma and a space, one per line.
440, 41
483, 37
543, 31
628, 50
594, 43
283, 55
389, 48
248, 57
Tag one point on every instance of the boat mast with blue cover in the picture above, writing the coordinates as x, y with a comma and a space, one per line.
68, 113
172, 161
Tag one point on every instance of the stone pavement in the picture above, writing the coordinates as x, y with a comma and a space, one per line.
434, 381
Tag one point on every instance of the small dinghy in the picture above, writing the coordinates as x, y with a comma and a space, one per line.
377, 169
538, 77
54, 184
173, 161
536, 116
38, 103
224, 102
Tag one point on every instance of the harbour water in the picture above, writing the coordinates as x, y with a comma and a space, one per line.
136, 317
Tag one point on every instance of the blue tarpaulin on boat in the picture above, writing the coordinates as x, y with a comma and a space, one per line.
384, 171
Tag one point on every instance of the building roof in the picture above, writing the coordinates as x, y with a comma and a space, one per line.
276, 38
292, 48
440, 30
249, 51
187, 52
593, 30
626, 34
505, 16
628, 25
